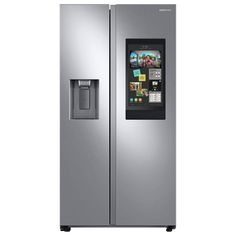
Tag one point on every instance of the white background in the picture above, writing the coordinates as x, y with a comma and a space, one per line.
29, 119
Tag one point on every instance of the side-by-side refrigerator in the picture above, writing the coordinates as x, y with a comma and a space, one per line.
117, 116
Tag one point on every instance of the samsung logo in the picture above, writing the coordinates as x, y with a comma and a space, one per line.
165, 9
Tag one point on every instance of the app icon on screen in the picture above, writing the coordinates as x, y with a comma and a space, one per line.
139, 93
142, 77
135, 99
154, 74
134, 86
145, 92
131, 99
140, 99
155, 85
136, 73
154, 97
133, 59
142, 93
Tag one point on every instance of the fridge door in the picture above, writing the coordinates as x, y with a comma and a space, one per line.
84, 115
143, 145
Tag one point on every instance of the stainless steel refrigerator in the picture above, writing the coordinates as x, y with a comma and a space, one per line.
117, 116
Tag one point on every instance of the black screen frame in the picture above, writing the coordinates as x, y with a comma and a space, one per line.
153, 111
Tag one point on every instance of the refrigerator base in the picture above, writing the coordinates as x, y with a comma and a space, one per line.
67, 228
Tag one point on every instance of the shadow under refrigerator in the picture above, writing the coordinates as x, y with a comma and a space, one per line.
117, 116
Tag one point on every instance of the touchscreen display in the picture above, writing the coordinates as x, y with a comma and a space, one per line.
145, 80
145, 74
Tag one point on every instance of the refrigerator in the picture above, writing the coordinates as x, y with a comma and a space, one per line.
117, 116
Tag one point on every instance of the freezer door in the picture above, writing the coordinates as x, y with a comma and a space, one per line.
143, 143
84, 115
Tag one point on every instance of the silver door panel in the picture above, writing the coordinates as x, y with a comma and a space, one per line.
84, 143
145, 149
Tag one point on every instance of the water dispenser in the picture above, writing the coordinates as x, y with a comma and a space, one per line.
84, 99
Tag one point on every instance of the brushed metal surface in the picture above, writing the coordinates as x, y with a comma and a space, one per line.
84, 144
145, 149
113, 117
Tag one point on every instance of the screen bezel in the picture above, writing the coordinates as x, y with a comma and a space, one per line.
152, 110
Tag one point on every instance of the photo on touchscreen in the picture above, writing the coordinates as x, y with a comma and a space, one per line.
145, 59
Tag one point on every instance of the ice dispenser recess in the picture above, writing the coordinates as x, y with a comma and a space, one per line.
84, 99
